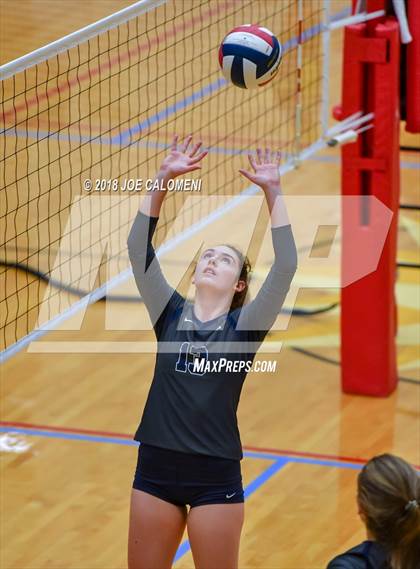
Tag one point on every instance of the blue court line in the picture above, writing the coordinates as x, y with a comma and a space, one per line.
182, 550
126, 134
265, 476
107, 139
336, 159
130, 442
277, 464
248, 491
305, 460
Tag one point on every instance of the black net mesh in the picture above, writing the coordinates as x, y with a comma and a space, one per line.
107, 110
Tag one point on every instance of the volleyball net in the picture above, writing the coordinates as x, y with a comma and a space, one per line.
103, 104
83, 115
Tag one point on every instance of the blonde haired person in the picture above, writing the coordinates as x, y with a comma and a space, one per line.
388, 496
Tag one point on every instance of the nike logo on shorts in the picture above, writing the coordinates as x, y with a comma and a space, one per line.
230, 495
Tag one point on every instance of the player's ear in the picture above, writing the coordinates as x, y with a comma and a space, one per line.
360, 511
240, 285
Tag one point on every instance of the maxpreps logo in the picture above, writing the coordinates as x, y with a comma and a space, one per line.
202, 366
92, 235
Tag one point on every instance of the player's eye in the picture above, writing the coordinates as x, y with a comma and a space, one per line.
206, 255
227, 260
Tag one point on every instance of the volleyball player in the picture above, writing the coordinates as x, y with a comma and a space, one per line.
388, 497
190, 448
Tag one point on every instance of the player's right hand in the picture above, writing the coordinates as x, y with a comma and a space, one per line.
180, 160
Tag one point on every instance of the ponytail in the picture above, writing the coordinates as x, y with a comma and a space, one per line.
406, 553
389, 497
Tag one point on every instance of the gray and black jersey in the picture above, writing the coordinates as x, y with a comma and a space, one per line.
201, 366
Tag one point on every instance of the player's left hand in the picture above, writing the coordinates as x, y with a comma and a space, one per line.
265, 169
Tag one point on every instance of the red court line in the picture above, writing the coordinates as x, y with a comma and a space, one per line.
280, 452
65, 430
117, 59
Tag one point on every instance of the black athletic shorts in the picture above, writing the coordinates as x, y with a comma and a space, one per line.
188, 479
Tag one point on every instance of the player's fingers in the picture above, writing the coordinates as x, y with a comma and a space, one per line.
174, 142
247, 174
187, 143
278, 157
252, 161
192, 168
195, 149
267, 156
260, 156
198, 157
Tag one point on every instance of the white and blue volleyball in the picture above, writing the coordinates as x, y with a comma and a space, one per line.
250, 56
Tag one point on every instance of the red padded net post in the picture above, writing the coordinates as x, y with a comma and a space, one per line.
413, 68
370, 167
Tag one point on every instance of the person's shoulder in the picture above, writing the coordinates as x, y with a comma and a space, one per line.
354, 558
347, 561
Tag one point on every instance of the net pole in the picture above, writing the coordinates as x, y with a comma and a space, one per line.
413, 69
299, 62
326, 34
370, 168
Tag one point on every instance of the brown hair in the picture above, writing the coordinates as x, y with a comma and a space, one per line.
239, 297
389, 497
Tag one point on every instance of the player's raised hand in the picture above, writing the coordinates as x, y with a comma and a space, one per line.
265, 168
182, 158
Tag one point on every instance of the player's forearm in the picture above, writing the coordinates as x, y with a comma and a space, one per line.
152, 285
261, 313
152, 201
276, 205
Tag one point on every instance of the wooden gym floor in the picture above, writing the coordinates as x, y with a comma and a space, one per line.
71, 416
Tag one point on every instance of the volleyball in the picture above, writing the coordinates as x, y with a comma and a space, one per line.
250, 56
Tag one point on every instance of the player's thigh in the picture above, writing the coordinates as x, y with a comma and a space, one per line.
155, 531
214, 531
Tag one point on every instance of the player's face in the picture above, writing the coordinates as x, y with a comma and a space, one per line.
218, 268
